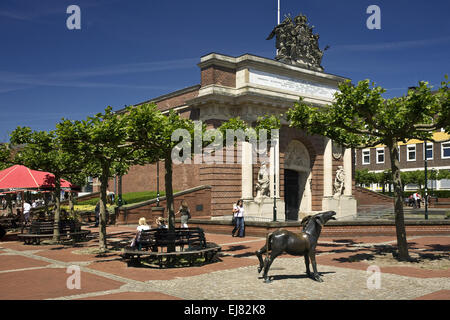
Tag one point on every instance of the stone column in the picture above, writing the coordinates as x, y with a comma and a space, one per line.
275, 163
328, 168
247, 171
348, 172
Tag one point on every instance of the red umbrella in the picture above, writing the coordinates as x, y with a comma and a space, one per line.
21, 177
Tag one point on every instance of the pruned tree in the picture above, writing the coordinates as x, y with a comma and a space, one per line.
101, 142
360, 117
155, 135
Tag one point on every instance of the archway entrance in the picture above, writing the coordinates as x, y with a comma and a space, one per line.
297, 178
291, 194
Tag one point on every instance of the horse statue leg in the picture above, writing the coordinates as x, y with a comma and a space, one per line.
259, 254
312, 256
308, 272
267, 263
263, 250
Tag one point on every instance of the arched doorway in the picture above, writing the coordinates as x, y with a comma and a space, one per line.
297, 177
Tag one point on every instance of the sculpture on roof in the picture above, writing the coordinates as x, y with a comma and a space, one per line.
296, 43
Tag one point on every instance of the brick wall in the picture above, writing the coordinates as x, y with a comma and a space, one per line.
225, 181
218, 75
175, 101
143, 178
330, 230
367, 197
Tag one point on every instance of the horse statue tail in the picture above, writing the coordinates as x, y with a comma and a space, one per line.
268, 237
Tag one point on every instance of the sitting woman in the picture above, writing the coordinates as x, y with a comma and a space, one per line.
142, 226
161, 223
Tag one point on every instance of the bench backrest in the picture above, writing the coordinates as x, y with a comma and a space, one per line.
181, 236
46, 227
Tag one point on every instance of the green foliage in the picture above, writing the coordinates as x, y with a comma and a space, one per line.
361, 117
263, 124
5, 156
150, 131
128, 198
443, 174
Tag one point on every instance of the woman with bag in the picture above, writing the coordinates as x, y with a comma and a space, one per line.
238, 217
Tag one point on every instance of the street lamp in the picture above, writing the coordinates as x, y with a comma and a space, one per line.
426, 180
157, 183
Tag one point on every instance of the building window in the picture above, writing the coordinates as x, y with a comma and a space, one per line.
366, 156
411, 152
429, 151
445, 152
380, 155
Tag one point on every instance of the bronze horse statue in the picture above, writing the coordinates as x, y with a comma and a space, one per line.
302, 244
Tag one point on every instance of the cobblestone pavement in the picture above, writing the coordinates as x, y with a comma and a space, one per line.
41, 272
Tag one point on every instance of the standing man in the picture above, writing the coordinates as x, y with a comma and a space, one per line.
26, 211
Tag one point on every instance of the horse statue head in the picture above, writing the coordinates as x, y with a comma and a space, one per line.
316, 222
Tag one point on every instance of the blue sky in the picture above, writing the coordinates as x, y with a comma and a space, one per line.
129, 51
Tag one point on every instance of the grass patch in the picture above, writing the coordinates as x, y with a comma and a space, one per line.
127, 198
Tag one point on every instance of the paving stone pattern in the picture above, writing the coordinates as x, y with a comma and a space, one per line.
40, 272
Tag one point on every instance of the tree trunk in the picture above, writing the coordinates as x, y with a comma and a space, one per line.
119, 187
56, 233
71, 205
169, 197
402, 244
102, 217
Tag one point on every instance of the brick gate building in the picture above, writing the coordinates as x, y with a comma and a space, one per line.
305, 166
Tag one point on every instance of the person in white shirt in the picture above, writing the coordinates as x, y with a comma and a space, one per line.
141, 227
238, 212
417, 199
26, 211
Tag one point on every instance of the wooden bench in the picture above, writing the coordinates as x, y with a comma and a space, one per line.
189, 243
10, 222
44, 229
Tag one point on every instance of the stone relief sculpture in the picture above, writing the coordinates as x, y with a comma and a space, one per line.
263, 183
339, 182
296, 43
337, 151
296, 157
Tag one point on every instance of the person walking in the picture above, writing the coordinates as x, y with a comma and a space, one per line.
97, 214
185, 213
238, 212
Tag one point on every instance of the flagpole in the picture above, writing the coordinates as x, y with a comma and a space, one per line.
278, 21
278, 15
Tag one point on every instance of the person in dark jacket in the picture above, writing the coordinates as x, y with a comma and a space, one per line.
97, 214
